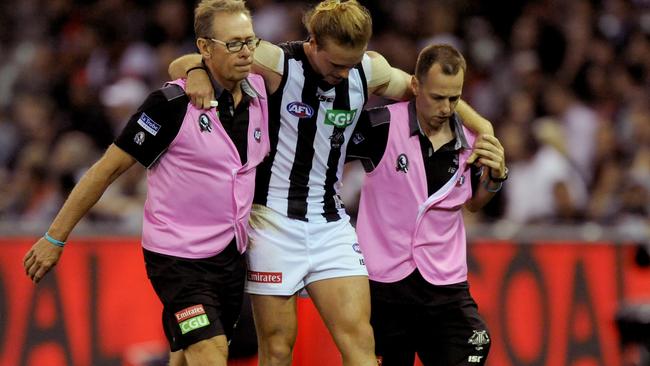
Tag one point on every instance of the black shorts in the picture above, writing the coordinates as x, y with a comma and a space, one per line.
201, 298
439, 323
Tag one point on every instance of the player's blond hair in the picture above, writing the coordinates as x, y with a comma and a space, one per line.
206, 10
346, 22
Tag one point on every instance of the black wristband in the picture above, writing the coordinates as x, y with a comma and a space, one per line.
499, 180
194, 68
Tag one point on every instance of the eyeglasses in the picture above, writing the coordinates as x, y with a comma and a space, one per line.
236, 46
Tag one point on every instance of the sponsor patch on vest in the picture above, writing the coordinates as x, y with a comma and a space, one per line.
192, 318
358, 138
265, 277
148, 124
257, 135
339, 117
139, 138
402, 164
204, 123
356, 247
300, 109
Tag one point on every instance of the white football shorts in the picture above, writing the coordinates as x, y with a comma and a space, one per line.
285, 255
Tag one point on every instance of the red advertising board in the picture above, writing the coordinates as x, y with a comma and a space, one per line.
547, 304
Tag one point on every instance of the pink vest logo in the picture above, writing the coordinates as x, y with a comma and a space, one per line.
257, 135
402, 163
204, 123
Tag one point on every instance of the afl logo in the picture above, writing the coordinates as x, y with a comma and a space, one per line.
300, 109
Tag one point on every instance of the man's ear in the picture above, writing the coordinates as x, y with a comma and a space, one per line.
203, 45
312, 43
414, 85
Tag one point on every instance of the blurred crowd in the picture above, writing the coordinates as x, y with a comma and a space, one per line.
566, 84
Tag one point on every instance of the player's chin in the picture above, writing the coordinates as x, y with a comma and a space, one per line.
333, 80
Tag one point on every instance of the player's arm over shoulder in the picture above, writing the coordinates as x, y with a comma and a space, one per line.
268, 61
385, 80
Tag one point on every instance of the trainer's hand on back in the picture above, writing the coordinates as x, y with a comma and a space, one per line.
40, 259
199, 89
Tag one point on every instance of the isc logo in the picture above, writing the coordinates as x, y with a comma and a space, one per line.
474, 359
300, 109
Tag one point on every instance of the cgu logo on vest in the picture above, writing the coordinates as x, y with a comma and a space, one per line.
300, 109
339, 117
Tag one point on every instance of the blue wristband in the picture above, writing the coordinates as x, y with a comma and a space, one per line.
58, 243
494, 190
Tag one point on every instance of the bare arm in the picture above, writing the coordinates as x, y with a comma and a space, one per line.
43, 255
491, 156
387, 81
268, 61
472, 120
178, 68
198, 87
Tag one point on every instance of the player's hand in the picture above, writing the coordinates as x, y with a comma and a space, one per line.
490, 153
199, 89
40, 259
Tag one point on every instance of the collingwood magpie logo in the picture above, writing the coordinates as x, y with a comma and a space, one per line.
337, 139
402, 163
204, 123
358, 138
479, 338
139, 138
257, 134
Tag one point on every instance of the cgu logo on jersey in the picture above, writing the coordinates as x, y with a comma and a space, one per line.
300, 109
339, 117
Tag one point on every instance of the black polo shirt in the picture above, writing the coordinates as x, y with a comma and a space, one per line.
370, 137
234, 119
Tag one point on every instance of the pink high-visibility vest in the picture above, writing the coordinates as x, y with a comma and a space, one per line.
199, 193
400, 227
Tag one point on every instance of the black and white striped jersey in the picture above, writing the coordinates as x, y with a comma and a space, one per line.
310, 123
